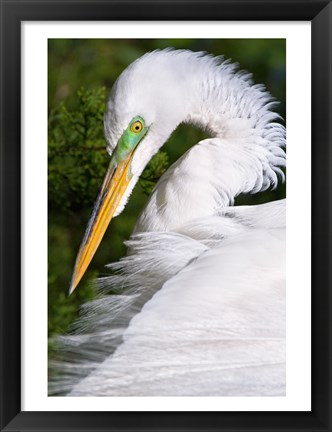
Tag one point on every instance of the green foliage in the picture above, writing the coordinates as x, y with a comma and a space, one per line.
62, 310
76, 151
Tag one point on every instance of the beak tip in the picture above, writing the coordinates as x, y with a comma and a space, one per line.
115, 183
71, 288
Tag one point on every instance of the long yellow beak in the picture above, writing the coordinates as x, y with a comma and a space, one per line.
114, 186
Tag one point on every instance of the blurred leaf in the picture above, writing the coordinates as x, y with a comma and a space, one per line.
77, 156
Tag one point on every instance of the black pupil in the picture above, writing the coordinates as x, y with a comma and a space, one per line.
136, 127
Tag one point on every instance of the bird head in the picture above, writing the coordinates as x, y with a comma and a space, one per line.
146, 104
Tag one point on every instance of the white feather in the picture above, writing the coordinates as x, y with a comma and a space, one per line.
233, 344
205, 264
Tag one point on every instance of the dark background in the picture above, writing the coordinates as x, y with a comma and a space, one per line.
81, 73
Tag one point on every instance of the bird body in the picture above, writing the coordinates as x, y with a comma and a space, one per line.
199, 308
215, 327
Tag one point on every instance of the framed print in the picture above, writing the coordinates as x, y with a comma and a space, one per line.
146, 357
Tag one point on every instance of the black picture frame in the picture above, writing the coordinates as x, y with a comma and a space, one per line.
13, 12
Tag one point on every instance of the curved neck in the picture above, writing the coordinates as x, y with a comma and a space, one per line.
244, 155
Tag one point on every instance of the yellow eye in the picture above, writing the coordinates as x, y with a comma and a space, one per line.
136, 126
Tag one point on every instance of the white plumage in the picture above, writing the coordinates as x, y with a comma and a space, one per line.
200, 303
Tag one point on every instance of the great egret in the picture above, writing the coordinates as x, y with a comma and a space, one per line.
200, 303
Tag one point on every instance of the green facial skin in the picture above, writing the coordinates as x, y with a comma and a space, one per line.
129, 141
